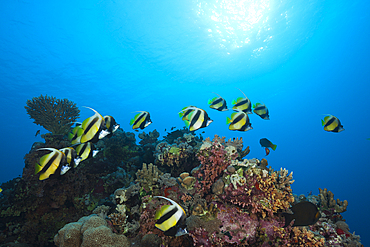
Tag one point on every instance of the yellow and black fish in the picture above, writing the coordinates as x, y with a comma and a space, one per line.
111, 124
86, 150
239, 121
184, 113
242, 104
171, 218
261, 110
304, 213
93, 128
218, 103
197, 119
141, 120
50, 163
332, 124
75, 135
72, 159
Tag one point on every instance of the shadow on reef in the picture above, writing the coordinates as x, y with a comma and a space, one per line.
108, 200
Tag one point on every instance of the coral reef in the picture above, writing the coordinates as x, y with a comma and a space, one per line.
55, 115
228, 201
89, 231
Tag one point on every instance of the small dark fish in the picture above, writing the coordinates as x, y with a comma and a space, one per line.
37, 132
304, 213
173, 128
165, 130
332, 124
267, 144
267, 151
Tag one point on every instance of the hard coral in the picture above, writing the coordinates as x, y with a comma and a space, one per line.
55, 115
89, 231
328, 202
214, 160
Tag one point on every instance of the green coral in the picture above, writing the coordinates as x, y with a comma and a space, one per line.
55, 115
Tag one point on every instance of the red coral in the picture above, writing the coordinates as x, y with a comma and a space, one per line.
214, 160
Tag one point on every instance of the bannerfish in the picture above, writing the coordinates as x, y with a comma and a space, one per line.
332, 124
242, 104
261, 110
171, 218
184, 113
198, 119
37, 132
93, 128
50, 163
111, 125
141, 120
75, 135
304, 213
267, 144
218, 103
86, 150
72, 159
239, 121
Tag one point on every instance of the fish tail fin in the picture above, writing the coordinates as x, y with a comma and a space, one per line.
181, 113
132, 121
273, 146
322, 122
38, 168
228, 120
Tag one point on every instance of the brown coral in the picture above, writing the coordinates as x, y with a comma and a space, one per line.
328, 201
89, 231
148, 176
55, 115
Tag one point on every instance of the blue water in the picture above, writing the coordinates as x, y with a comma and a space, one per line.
302, 59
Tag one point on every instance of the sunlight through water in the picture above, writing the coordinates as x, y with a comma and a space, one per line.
236, 23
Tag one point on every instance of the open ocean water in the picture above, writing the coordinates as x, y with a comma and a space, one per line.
303, 59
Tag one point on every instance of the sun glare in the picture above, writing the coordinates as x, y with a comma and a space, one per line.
235, 23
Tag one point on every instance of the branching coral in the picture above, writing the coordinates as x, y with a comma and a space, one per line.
328, 202
55, 115
148, 177
214, 160
256, 190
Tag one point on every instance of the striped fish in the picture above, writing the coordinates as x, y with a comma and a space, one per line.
332, 124
72, 159
171, 218
239, 121
242, 104
86, 150
141, 120
198, 118
218, 103
261, 110
93, 128
184, 113
50, 163
110, 124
